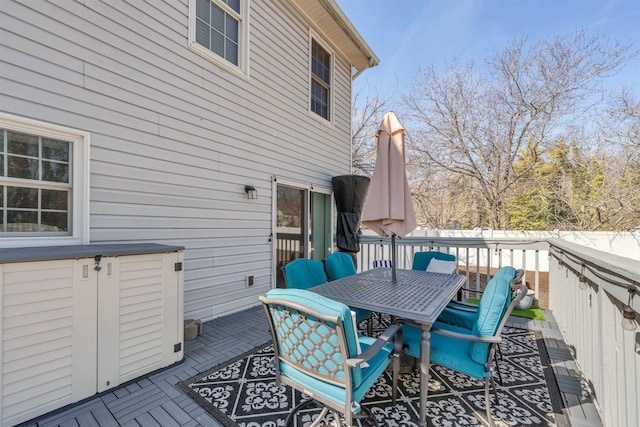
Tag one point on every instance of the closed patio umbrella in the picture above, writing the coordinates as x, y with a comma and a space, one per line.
389, 208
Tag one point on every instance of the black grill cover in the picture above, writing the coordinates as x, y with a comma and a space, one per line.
350, 192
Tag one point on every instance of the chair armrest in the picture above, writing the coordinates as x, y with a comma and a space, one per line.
461, 306
466, 337
392, 333
475, 291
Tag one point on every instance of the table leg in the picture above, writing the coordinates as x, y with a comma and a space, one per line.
425, 349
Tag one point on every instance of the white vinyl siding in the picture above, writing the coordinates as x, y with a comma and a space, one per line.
174, 140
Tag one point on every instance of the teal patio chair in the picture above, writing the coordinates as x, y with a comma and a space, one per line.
382, 263
305, 273
421, 261
318, 352
470, 351
339, 265
464, 314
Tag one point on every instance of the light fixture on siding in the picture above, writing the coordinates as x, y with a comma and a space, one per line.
628, 313
251, 191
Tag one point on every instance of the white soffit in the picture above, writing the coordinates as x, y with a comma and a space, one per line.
329, 19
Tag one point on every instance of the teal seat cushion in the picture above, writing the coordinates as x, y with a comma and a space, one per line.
451, 315
304, 273
422, 259
326, 306
450, 352
338, 394
466, 319
361, 314
339, 265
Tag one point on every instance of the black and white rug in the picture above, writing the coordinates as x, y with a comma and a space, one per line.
243, 392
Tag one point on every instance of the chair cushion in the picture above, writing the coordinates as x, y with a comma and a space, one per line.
327, 306
461, 318
441, 266
376, 367
491, 309
466, 319
446, 351
339, 265
421, 259
304, 273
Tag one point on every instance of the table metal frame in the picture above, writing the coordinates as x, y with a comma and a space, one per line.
417, 295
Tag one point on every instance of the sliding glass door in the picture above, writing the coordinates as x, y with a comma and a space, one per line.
303, 226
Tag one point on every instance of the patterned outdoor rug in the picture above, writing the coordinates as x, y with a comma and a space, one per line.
243, 392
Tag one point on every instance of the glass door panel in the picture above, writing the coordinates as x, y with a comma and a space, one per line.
290, 241
303, 226
320, 226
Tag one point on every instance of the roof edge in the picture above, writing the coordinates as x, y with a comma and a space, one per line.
365, 57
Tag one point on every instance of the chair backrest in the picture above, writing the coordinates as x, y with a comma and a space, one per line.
421, 260
339, 265
382, 263
492, 308
304, 273
313, 335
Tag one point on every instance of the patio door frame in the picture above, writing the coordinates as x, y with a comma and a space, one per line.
308, 189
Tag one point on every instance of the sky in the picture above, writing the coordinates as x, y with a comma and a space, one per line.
409, 34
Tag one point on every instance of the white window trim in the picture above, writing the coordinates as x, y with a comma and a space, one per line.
242, 69
314, 36
79, 179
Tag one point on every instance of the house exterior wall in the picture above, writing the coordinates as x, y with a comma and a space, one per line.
174, 137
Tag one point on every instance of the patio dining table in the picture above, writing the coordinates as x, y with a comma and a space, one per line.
416, 295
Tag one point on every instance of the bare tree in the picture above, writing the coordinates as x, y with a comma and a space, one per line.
366, 113
476, 123
619, 156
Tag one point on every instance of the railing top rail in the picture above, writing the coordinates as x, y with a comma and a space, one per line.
613, 272
463, 242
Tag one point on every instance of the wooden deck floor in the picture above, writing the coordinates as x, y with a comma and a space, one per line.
155, 400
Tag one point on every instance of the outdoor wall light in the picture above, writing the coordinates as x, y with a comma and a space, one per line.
628, 313
251, 191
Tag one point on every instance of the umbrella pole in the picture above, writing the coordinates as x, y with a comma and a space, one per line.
393, 258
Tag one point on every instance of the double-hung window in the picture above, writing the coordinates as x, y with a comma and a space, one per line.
218, 30
321, 80
42, 182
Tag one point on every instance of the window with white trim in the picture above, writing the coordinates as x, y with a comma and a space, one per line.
321, 80
218, 30
43, 181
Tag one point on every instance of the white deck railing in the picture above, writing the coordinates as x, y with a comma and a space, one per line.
589, 313
484, 254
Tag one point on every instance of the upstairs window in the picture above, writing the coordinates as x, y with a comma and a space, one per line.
321, 77
218, 30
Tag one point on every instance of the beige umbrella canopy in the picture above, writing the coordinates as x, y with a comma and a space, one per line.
389, 208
